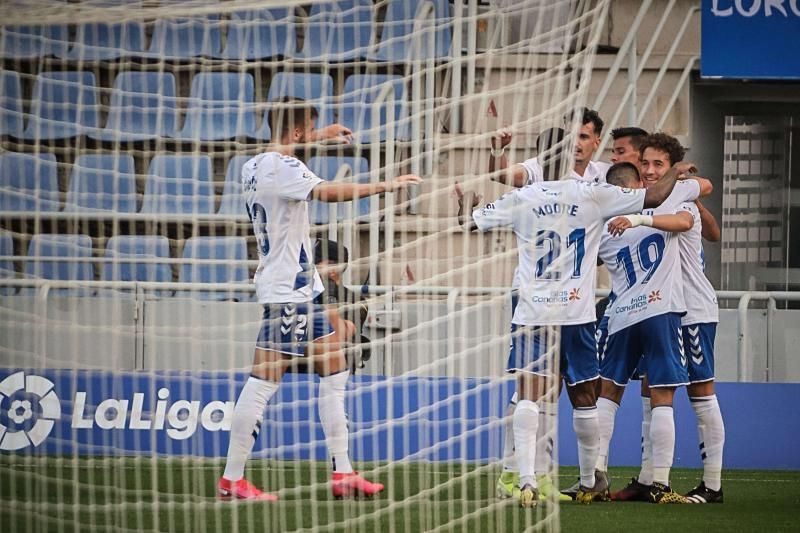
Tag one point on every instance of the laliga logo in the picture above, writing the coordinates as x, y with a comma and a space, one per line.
20, 411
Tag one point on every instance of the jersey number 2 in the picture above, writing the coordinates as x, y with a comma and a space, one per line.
551, 241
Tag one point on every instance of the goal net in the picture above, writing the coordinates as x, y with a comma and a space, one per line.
127, 307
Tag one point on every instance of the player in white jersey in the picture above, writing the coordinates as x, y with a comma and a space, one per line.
558, 225
530, 170
277, 188
699, 324
644, 325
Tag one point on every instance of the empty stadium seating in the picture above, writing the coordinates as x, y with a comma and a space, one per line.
338, 31
263, 34
73, 247
179, 184
128, 253
398, 43
220, 107
29, 183
102, 41
232, 203
143, 106
327, 168
186, 38
102, 182
356, 110
6, 265
223, 249
10, 104
29, 42
63, 105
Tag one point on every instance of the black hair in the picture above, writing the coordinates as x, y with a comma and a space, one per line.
622, 174
665, 143
637, 135
331, 251
287, 114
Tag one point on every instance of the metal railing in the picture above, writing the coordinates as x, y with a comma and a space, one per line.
453, 296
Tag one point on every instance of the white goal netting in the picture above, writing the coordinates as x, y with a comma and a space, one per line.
127, 310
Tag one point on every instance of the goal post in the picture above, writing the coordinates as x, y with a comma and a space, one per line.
128, 315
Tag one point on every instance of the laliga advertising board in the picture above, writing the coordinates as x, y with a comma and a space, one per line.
750, 39
66, 412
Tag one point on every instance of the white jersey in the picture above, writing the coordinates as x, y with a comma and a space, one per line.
701, 299
276, 190
558, 226
645, 266
595, 171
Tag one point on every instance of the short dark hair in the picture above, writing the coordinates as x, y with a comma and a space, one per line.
587, 115
549, 138
665, 143
288, 113
637, 135
331, 251
622, 174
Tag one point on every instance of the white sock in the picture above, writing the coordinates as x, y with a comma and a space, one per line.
585, 424
334, 419
606, 415
509, 459
646, 473
712, 438
526, 423
246, 423
662, 436
548, 413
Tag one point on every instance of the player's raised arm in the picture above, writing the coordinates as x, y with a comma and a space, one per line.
516, 175
660, 191
677, 223
333, 133
343, 192
710, 231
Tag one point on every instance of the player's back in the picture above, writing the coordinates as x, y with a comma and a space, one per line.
558, 227
276, 189
701, 299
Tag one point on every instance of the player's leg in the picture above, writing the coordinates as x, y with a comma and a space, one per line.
326, 352
666, 370
580, 370
699, 340
273, 354
545, 439
508, 480
646, 472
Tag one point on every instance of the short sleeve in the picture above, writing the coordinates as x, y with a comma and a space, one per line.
496, 214
533, 169
614, 201
687, 190
294, 181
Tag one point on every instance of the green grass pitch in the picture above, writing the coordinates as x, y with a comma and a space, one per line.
53, 494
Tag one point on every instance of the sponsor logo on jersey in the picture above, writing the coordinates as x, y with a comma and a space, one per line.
574, 294
655, 296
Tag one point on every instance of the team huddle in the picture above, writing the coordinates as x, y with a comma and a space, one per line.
639, 216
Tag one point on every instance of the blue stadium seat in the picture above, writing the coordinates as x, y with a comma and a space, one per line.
28, 42
128, 251
316, 89
143, 106
6, 265
338, 31
327, 168
397, 42
221, 106
10, 104
355, 112
64, 105
217, 248
29, 183
185, 38
66, 246
180, 185
232, 198
260, 34
102, 182
96, 41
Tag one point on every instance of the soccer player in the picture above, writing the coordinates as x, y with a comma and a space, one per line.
277, 187
558, 226
627, 145
644, 324
530, 170
699, 323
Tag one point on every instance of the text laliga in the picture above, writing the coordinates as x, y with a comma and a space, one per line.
182, 416
751, 8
